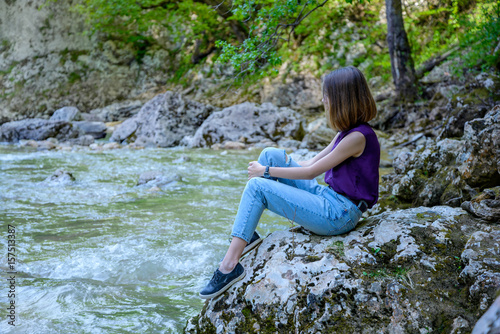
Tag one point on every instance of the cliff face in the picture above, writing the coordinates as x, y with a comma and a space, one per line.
46, 62
420, 270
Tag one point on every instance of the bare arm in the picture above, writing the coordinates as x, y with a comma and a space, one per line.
320, 155
352, 145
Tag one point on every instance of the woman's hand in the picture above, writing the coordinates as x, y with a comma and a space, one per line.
255, 169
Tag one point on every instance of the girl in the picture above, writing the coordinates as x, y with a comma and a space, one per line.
289, 188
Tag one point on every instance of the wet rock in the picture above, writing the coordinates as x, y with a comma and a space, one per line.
163, 121
111, 146
94, 129
249, 123
158, 179
66, 114
486, 205
60, 177
399, 272
182, 159
85, 140
37, 129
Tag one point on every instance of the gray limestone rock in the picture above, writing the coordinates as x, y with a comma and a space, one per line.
485, 205
249, 123
67, 114
95, 129
451, 171
490, 321
37, 129
409, 271
118, 111
163, 121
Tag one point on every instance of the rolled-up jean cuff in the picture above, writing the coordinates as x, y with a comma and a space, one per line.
241, 236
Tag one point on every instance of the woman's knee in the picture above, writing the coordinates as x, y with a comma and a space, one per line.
272, 155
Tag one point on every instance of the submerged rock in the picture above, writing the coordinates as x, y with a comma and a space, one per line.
416, 270
157, 179
249, 123
60, 177
163, 121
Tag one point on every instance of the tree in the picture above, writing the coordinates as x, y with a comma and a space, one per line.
273, 22
402, 67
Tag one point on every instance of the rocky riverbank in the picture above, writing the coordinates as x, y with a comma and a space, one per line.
420, 270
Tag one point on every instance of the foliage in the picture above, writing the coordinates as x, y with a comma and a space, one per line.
482, 36
139, 22
270, 22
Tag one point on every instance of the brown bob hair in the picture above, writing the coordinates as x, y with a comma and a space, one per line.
347, 98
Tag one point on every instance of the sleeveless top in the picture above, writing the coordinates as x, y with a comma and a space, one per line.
357, 178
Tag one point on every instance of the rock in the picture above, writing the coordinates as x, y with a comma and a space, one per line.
111, 146
291, 144
249, 123
490, 321
408, 271
318, 135
450, 171
37, 129
45, 145
66, 114
29, 143
95, 129
163, 121
439, 73
302, 92
229, 145
182, 159
480, 160
60, 177
85, 140
485, 205
158, 179
119, 111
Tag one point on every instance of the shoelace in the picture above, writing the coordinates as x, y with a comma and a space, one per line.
216, 275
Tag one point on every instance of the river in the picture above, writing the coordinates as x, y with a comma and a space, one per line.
103, 255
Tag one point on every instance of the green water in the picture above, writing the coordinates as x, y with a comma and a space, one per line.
103, 255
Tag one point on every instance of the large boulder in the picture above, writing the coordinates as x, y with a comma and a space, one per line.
411, 271
37, 129
163, 121
67, 114
249, 123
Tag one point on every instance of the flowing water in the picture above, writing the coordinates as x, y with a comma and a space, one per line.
103, 255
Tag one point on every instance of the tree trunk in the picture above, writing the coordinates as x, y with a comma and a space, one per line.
403, 71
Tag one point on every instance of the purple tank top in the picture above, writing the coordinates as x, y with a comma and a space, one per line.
357, 178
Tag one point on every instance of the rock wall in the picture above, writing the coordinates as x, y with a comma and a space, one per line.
46, 62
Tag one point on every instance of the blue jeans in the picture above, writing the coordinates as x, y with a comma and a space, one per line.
317, 208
